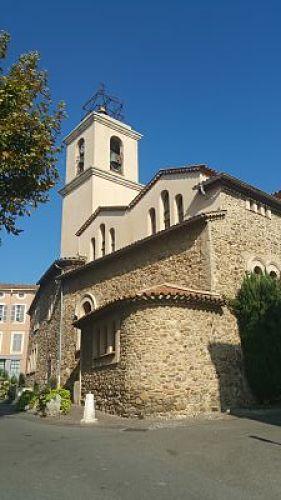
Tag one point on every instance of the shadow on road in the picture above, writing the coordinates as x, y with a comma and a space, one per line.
270, 416
264, 440
7, 409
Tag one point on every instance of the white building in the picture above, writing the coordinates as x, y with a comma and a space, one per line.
104, 206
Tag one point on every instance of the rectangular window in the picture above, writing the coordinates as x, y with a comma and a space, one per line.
15, 368
2, 365
3, 313
17, 342
18, 313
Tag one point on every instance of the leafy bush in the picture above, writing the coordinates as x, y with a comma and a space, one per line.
4, 389
47, 394
53, 382
36, 388
27, 398
258, 311
4, 374
12, 392
21, 381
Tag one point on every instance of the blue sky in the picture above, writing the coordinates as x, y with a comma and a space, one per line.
200, 79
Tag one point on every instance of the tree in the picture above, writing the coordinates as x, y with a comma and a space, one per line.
28, 137
258, 311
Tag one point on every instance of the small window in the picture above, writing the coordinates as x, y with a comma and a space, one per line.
18, 313
273, 274
87, 307
104, 341
116, 154
21, 295
102, 236
16, 342
152, 221
2, 295
93, 248
80, 156
166, 209
3, 313
112, 239
179, 205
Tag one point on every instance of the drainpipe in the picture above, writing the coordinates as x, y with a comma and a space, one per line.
60, 331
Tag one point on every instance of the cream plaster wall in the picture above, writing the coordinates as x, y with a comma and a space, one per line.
77, 207
133, 225
97, 185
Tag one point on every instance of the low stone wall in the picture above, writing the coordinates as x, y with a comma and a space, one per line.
173, 361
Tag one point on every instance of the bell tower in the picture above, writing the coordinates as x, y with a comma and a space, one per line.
101, 166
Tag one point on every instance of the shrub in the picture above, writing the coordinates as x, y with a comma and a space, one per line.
36, 388
53, 382
47, 394
4, 389
258, 311
27, 398
21, 382
12, 392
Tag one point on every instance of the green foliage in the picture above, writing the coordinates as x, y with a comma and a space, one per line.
4, 375
53, 382
47, 394
21, 381
14, 380
4, 389
27, 398
36, 387
12, 391
258, 311
28, 134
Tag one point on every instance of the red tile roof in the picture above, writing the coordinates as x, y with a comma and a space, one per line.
164, 291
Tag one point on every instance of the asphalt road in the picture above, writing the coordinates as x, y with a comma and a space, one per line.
223, 459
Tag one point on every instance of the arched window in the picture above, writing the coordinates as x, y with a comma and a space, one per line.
116, 154
179, 205
152, 220
112, 239
166, 209
87, 307
93, 248
102, 237
273, 271
258, 270
80, 156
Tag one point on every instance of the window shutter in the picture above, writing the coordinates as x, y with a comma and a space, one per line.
5, 313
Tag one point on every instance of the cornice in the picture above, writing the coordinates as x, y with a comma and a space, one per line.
89, 172
104, 120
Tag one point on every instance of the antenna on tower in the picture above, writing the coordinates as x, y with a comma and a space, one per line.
104, 103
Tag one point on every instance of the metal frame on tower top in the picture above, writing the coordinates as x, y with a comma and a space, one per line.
105, 103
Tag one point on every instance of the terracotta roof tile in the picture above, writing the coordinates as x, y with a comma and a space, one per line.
164, 291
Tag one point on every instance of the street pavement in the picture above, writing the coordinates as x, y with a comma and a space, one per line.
227, 458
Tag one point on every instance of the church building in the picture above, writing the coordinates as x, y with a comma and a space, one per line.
136, 308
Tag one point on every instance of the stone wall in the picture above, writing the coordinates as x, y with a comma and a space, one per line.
238, 238
181, 258
173, 361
